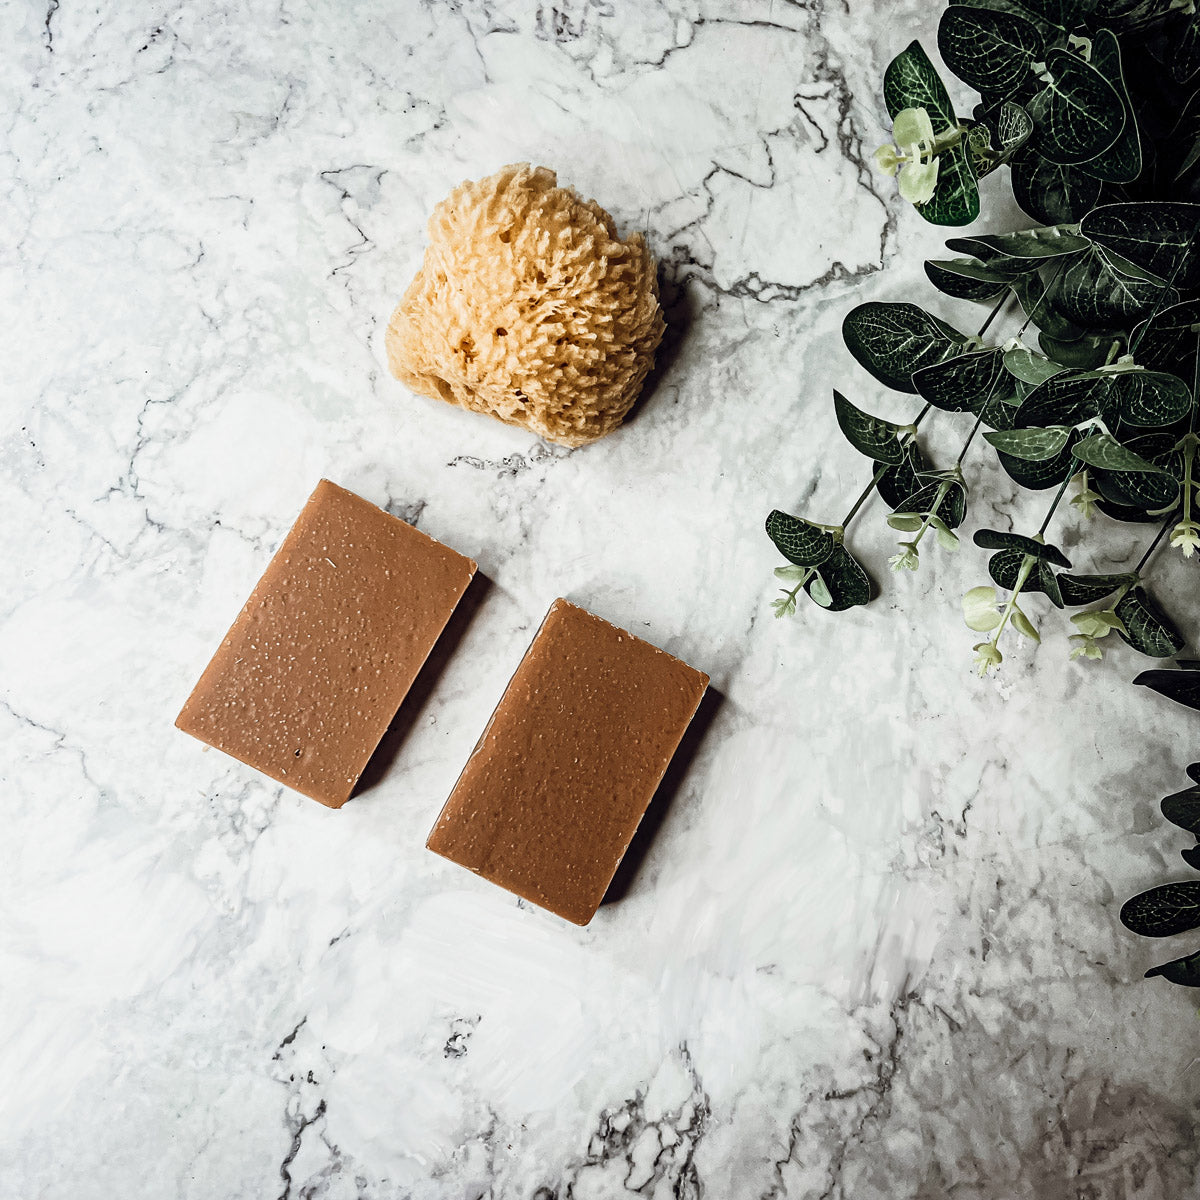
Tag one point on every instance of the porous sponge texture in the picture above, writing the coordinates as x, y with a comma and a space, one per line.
529, 307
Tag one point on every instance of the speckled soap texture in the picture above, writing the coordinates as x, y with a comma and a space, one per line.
568, 763
871, 951
306, 681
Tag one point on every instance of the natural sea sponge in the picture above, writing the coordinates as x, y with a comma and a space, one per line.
529, 307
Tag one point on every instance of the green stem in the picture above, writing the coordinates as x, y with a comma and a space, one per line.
865, 495
1158, 537
1027, 565
1163, 293
970, 438
1062, 487
939, 496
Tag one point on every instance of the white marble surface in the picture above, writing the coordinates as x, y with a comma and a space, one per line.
871, 949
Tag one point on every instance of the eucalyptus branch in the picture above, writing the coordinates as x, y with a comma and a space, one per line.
1158, 537
1062, 487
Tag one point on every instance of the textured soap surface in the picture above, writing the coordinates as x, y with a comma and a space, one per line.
554, 791
313, 670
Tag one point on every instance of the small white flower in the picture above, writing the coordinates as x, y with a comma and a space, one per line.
1186, 537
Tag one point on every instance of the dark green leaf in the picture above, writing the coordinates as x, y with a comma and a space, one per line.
1159, 237
1149, 399
846, 581
1036, 299
1085, 353
1036, 476
1078, 590
872, 436
1051, 192
1182, 33
955, 198
963, 383
1163, 911
1183, 808
1077, 112
997, 539
1049, 582
799, 541
1005, 565
1023, 251
966, 278
1191, 857
1032, 444
1094, 294
1028, 367
912, 81
991, 51
1122, 161
1147, 628
894, 340
1066, 14
1183, 971
1104, 451
897, 483
1181, 686
1168, 340
952, 508
1014, 126
1123, 512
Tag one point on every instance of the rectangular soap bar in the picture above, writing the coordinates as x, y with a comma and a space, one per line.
554, 791
313, 670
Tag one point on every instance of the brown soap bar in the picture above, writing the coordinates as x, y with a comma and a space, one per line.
554, 791
314, 668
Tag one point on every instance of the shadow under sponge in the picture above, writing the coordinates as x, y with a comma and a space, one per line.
313, 670
562, 776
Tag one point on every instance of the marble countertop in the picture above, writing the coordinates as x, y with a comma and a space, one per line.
868, 946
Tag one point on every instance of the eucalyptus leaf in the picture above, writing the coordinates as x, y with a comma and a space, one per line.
906, 522
1005, 565
1183, 36
846, 583
1023, 364
1052, 192
1066, 14
1160, 237
1150, 399
1103, 450
1093, 294
1124, 512
1191, 857
990, 50
1049, 581
819, 593
1122, 161
1078, 590
1163, 911
912, 81
1184, 971
896, 484
955, 199
1169, 340
872, 436
963, 383
1035, 295
1014, 127
892, 340
952, 509
1033, 444
1078, 113
1183, 808
1024, 626
1147, 628
1022, 251
1181, 686
801, 542
1036, 476
966, 279
1085, 353
998, 539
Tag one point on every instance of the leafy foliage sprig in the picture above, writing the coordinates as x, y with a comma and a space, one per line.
1094, 107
